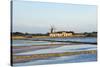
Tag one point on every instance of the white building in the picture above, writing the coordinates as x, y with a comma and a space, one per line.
61, 34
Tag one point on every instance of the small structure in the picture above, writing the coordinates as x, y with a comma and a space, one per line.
61, 34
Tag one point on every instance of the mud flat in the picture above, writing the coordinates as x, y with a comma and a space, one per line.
25, 58
18, 49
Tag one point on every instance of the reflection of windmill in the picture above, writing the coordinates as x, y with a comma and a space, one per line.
52, 29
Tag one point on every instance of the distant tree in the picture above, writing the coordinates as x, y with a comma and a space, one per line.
90, 34
94, 32
17, 33
47, 34
26, 33
85, 33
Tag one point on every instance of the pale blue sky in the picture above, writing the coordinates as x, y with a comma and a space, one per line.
36, 17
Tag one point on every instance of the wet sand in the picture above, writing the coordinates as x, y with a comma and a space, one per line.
24, 58
17, 49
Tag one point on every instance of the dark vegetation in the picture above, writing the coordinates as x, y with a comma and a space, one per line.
87, 34
92, 34
24, 34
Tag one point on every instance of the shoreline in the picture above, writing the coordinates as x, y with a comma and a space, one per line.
23, 37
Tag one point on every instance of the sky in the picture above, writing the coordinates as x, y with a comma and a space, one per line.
38, 17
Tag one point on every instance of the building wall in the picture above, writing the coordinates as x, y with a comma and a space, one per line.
63, 34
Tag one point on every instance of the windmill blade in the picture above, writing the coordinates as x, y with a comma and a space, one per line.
52, 29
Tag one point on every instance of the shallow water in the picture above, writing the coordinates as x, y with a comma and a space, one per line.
32, 42
69, 48
77, 39
63, 59
64, 48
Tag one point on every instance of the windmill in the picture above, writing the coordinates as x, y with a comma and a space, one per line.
52, 29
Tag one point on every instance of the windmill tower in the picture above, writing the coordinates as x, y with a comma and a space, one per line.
52, 29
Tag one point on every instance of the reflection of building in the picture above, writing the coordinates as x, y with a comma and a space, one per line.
61, 34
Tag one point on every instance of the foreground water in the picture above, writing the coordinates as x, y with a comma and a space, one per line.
63, 59
61, 49
76, 39
39, 41
64, 48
